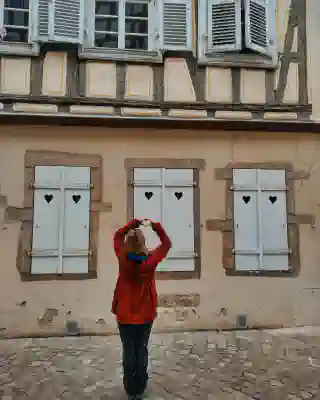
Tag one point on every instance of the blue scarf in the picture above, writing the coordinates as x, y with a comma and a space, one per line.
138, 258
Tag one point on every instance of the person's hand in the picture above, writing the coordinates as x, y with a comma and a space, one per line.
146, 222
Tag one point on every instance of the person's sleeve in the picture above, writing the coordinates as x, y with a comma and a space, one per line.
119, 236
159, 253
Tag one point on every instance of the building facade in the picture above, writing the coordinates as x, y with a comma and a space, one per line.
203, 114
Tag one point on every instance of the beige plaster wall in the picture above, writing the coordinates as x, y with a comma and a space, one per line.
266, 301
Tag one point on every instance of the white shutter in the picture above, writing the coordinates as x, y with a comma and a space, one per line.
61, 223
246, 220
176, 24
224, 25
272, 29
60, 21
43, 18
46, 217
256, 25
274, 220
178, 219
260, 220
76, 229
147, 187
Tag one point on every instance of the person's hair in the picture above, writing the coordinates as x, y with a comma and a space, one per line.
135, 242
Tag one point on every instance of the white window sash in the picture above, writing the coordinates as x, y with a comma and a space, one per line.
30, 25
90, 28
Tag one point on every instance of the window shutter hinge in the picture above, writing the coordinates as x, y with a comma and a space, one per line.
32, 185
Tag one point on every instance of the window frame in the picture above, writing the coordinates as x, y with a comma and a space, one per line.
232, 59
197, 165
48, 158
257, 188
61, 197
30, 48
89, 51
226, 225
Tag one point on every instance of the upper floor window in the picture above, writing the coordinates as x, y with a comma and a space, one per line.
122, 24
136, 29
242, 28
15, 21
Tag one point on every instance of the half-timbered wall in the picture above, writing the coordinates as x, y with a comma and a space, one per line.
179, 78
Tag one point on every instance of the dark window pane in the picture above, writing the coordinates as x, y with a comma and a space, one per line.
107, 24
17, 4
16, 35
136, 42
137, 10
106, 40
106, 8
136, 26
19, 18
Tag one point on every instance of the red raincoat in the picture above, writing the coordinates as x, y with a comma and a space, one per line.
135, 296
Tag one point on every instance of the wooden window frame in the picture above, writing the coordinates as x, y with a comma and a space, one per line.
90, 52
197, 165
34, 159
29, 48
226, 225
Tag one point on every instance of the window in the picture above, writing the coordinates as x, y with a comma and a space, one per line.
260, 220
16, 20
167, 195
16, 24
136, 30
122, 25
238, 30
61, 220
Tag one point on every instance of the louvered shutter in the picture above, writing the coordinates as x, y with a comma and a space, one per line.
256, 25
43, 16
224, 25
60, 21
176, 32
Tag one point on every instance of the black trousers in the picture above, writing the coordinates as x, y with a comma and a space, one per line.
135, 339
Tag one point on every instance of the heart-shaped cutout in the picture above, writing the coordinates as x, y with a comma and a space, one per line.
76, 198
273, 199
178, 195
48, 198
148, 195
246, 199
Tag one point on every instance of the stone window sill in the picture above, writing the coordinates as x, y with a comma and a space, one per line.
238, 60
120, 55
56, 277
19, 49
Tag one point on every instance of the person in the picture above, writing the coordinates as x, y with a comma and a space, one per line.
135, 299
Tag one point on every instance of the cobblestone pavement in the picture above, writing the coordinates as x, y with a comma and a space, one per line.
223, 366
